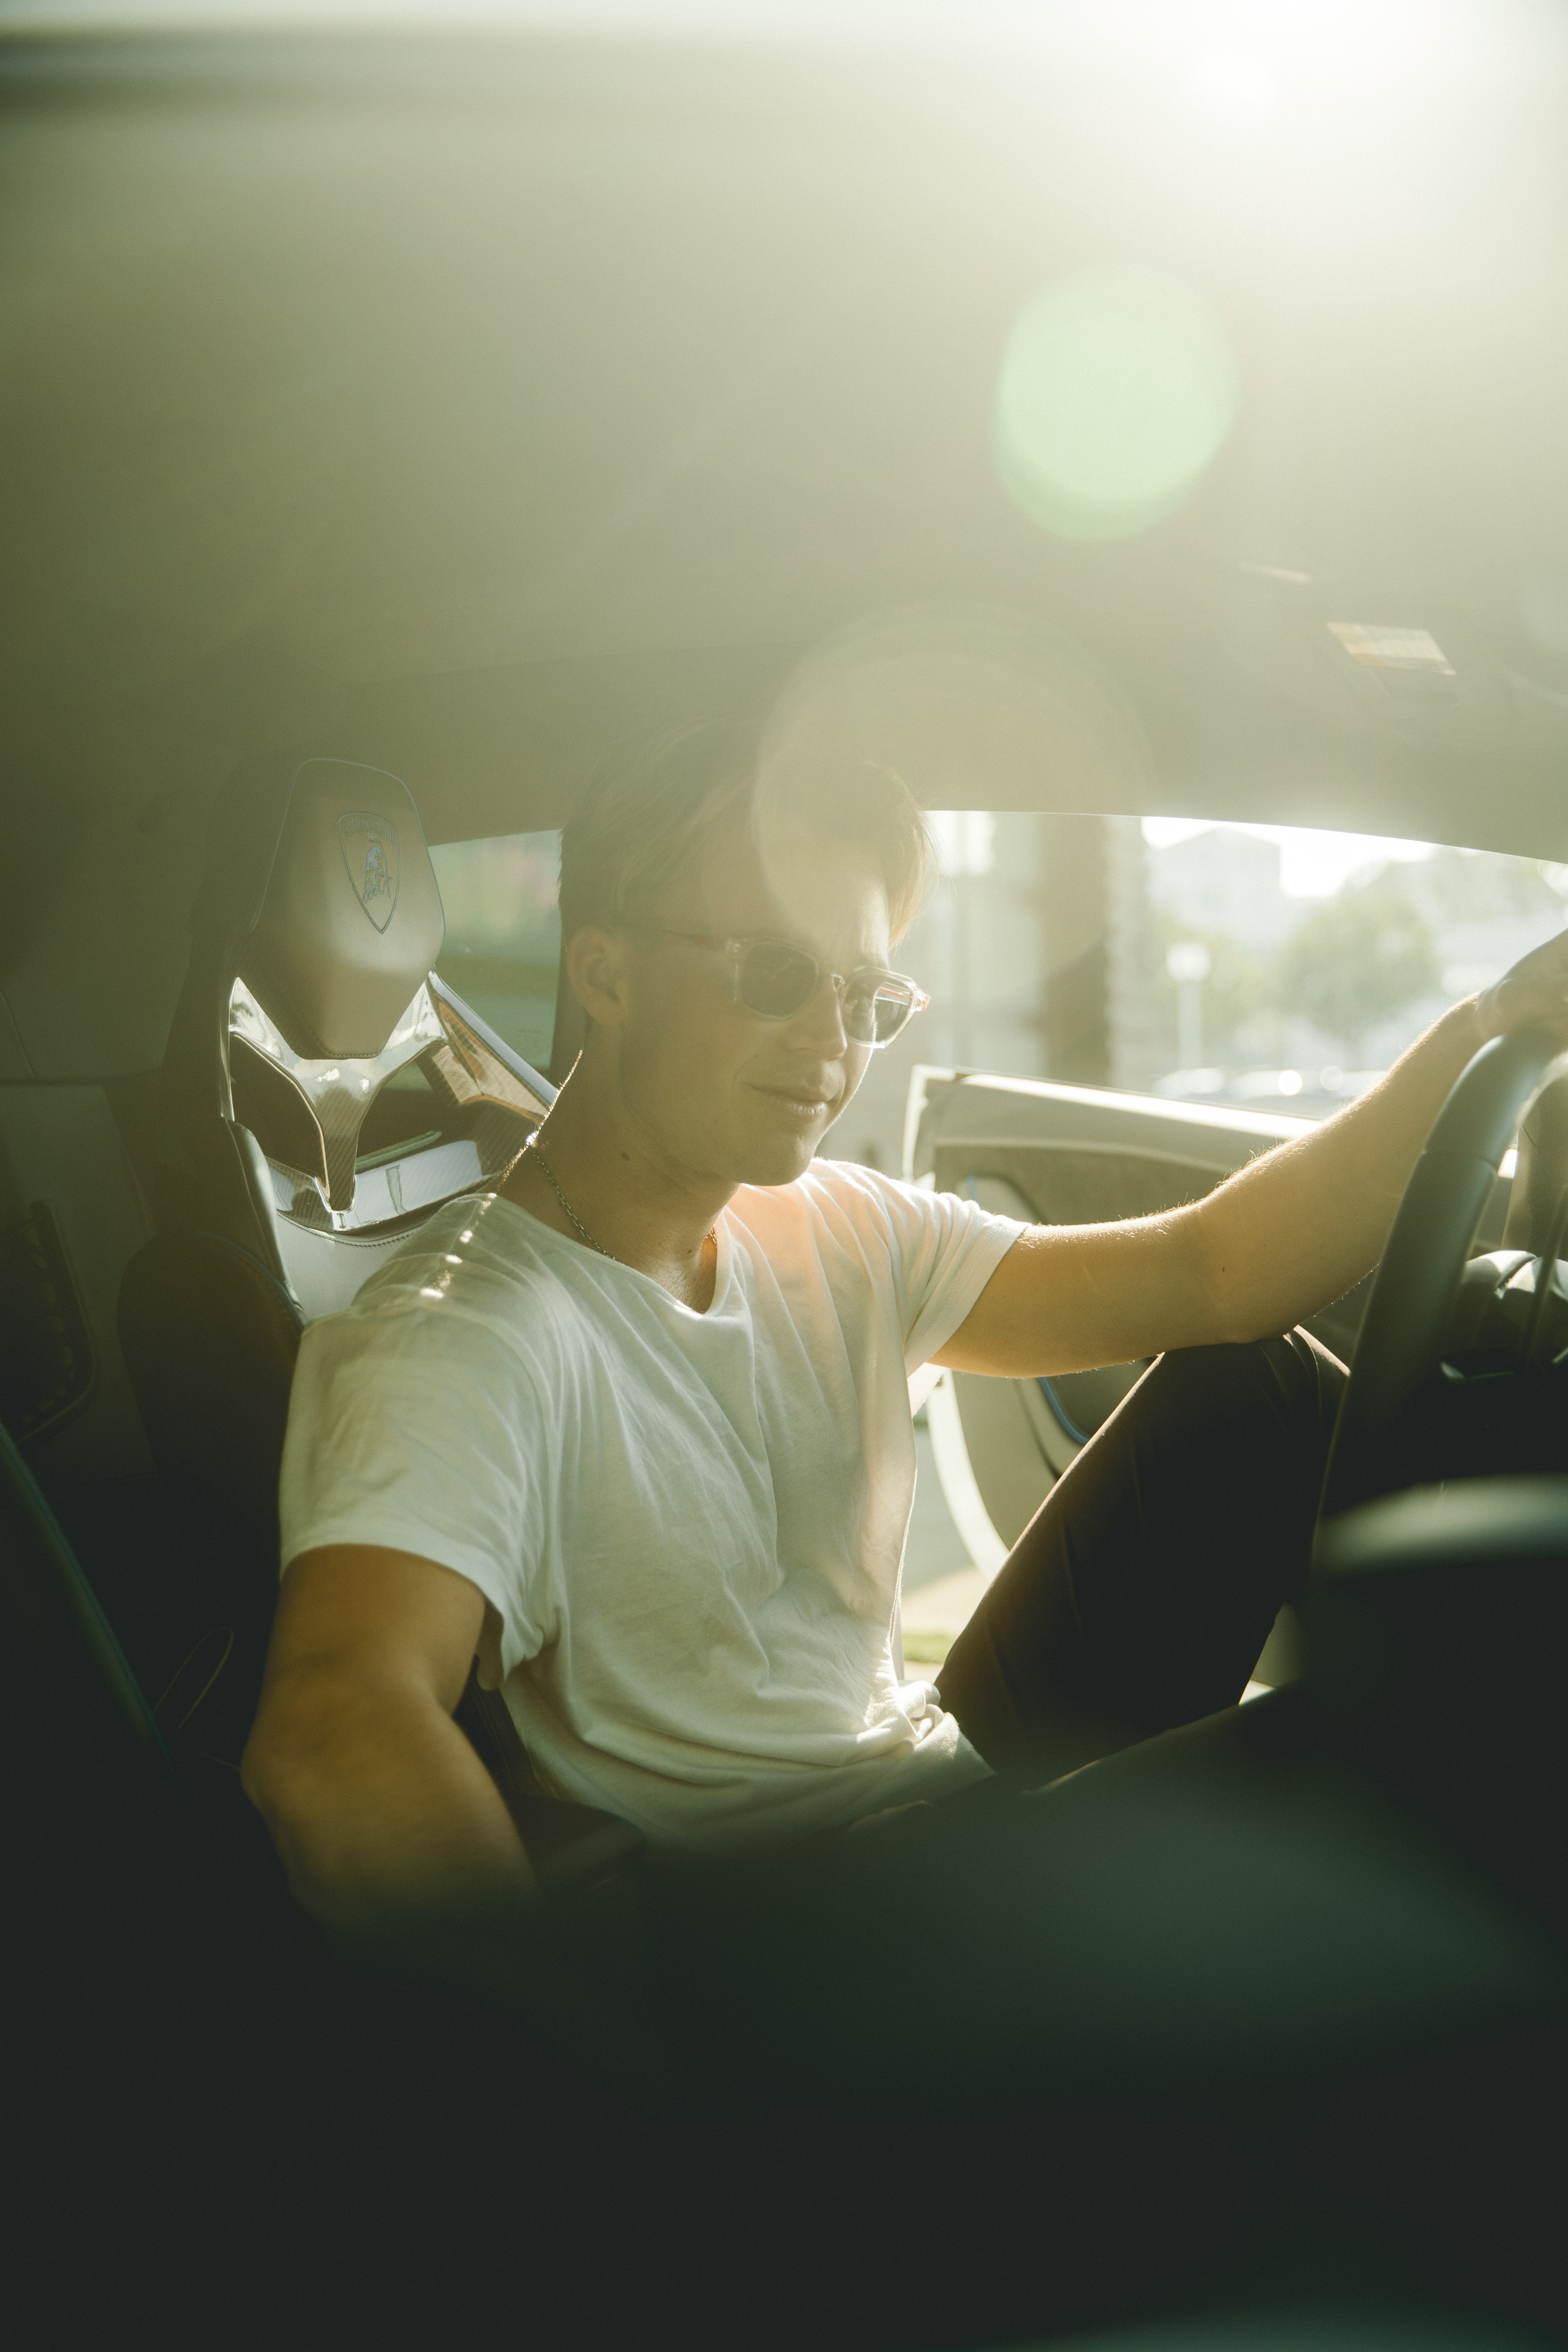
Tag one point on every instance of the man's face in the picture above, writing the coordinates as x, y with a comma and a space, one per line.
728, 1093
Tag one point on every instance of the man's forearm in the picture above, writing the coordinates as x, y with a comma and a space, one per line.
1303, 1223
1287, 1234
378, 1806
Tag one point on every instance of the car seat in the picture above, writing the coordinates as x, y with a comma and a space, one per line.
322, 1093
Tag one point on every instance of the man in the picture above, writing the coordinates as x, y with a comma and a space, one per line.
633, 1431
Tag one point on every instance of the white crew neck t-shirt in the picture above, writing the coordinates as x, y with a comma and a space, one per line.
691, 1525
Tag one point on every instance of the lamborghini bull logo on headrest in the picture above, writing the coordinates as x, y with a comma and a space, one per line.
370, 852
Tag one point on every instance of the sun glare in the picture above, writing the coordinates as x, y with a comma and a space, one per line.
1118, 389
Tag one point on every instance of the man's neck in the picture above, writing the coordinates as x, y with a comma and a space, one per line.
616, 1190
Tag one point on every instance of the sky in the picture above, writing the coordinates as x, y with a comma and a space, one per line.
1311, 865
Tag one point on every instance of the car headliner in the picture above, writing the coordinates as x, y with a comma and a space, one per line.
455, 404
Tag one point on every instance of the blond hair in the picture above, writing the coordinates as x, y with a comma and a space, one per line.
660, 802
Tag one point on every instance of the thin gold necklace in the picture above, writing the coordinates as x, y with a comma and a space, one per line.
531, 1146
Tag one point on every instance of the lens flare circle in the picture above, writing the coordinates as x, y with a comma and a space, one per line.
1118, 389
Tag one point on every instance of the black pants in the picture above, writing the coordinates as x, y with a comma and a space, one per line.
1140, 1595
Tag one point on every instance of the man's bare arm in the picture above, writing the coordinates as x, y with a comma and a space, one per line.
1282, 1237
376, 1802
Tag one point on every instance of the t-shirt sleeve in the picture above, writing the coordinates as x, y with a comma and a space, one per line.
944, 1250
413, 1430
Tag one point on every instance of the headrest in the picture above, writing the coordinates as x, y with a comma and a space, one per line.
320, 868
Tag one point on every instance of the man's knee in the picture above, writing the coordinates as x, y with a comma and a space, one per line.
1311, 1379
1286, 1378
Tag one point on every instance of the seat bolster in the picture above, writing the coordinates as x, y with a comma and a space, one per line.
210, 1337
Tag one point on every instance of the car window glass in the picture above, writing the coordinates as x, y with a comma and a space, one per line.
503, 933
1269, 967
1299, 965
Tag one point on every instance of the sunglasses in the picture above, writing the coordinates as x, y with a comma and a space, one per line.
776, 979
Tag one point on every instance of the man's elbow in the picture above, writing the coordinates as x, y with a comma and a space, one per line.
270, 1773
291, 1768
294, 1773
381, 1814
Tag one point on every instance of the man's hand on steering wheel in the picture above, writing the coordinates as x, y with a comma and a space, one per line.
1519, 1033
1531, 995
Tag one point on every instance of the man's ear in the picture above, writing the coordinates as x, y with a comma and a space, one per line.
596, 969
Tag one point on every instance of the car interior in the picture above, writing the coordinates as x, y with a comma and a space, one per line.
405, 407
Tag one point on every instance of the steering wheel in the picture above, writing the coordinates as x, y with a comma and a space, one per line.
1401, 1340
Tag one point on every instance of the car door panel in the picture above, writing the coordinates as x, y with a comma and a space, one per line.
1071, 1155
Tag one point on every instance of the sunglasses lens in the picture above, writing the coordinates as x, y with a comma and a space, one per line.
875, 1013
776, 979
779, 981
890, 1008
